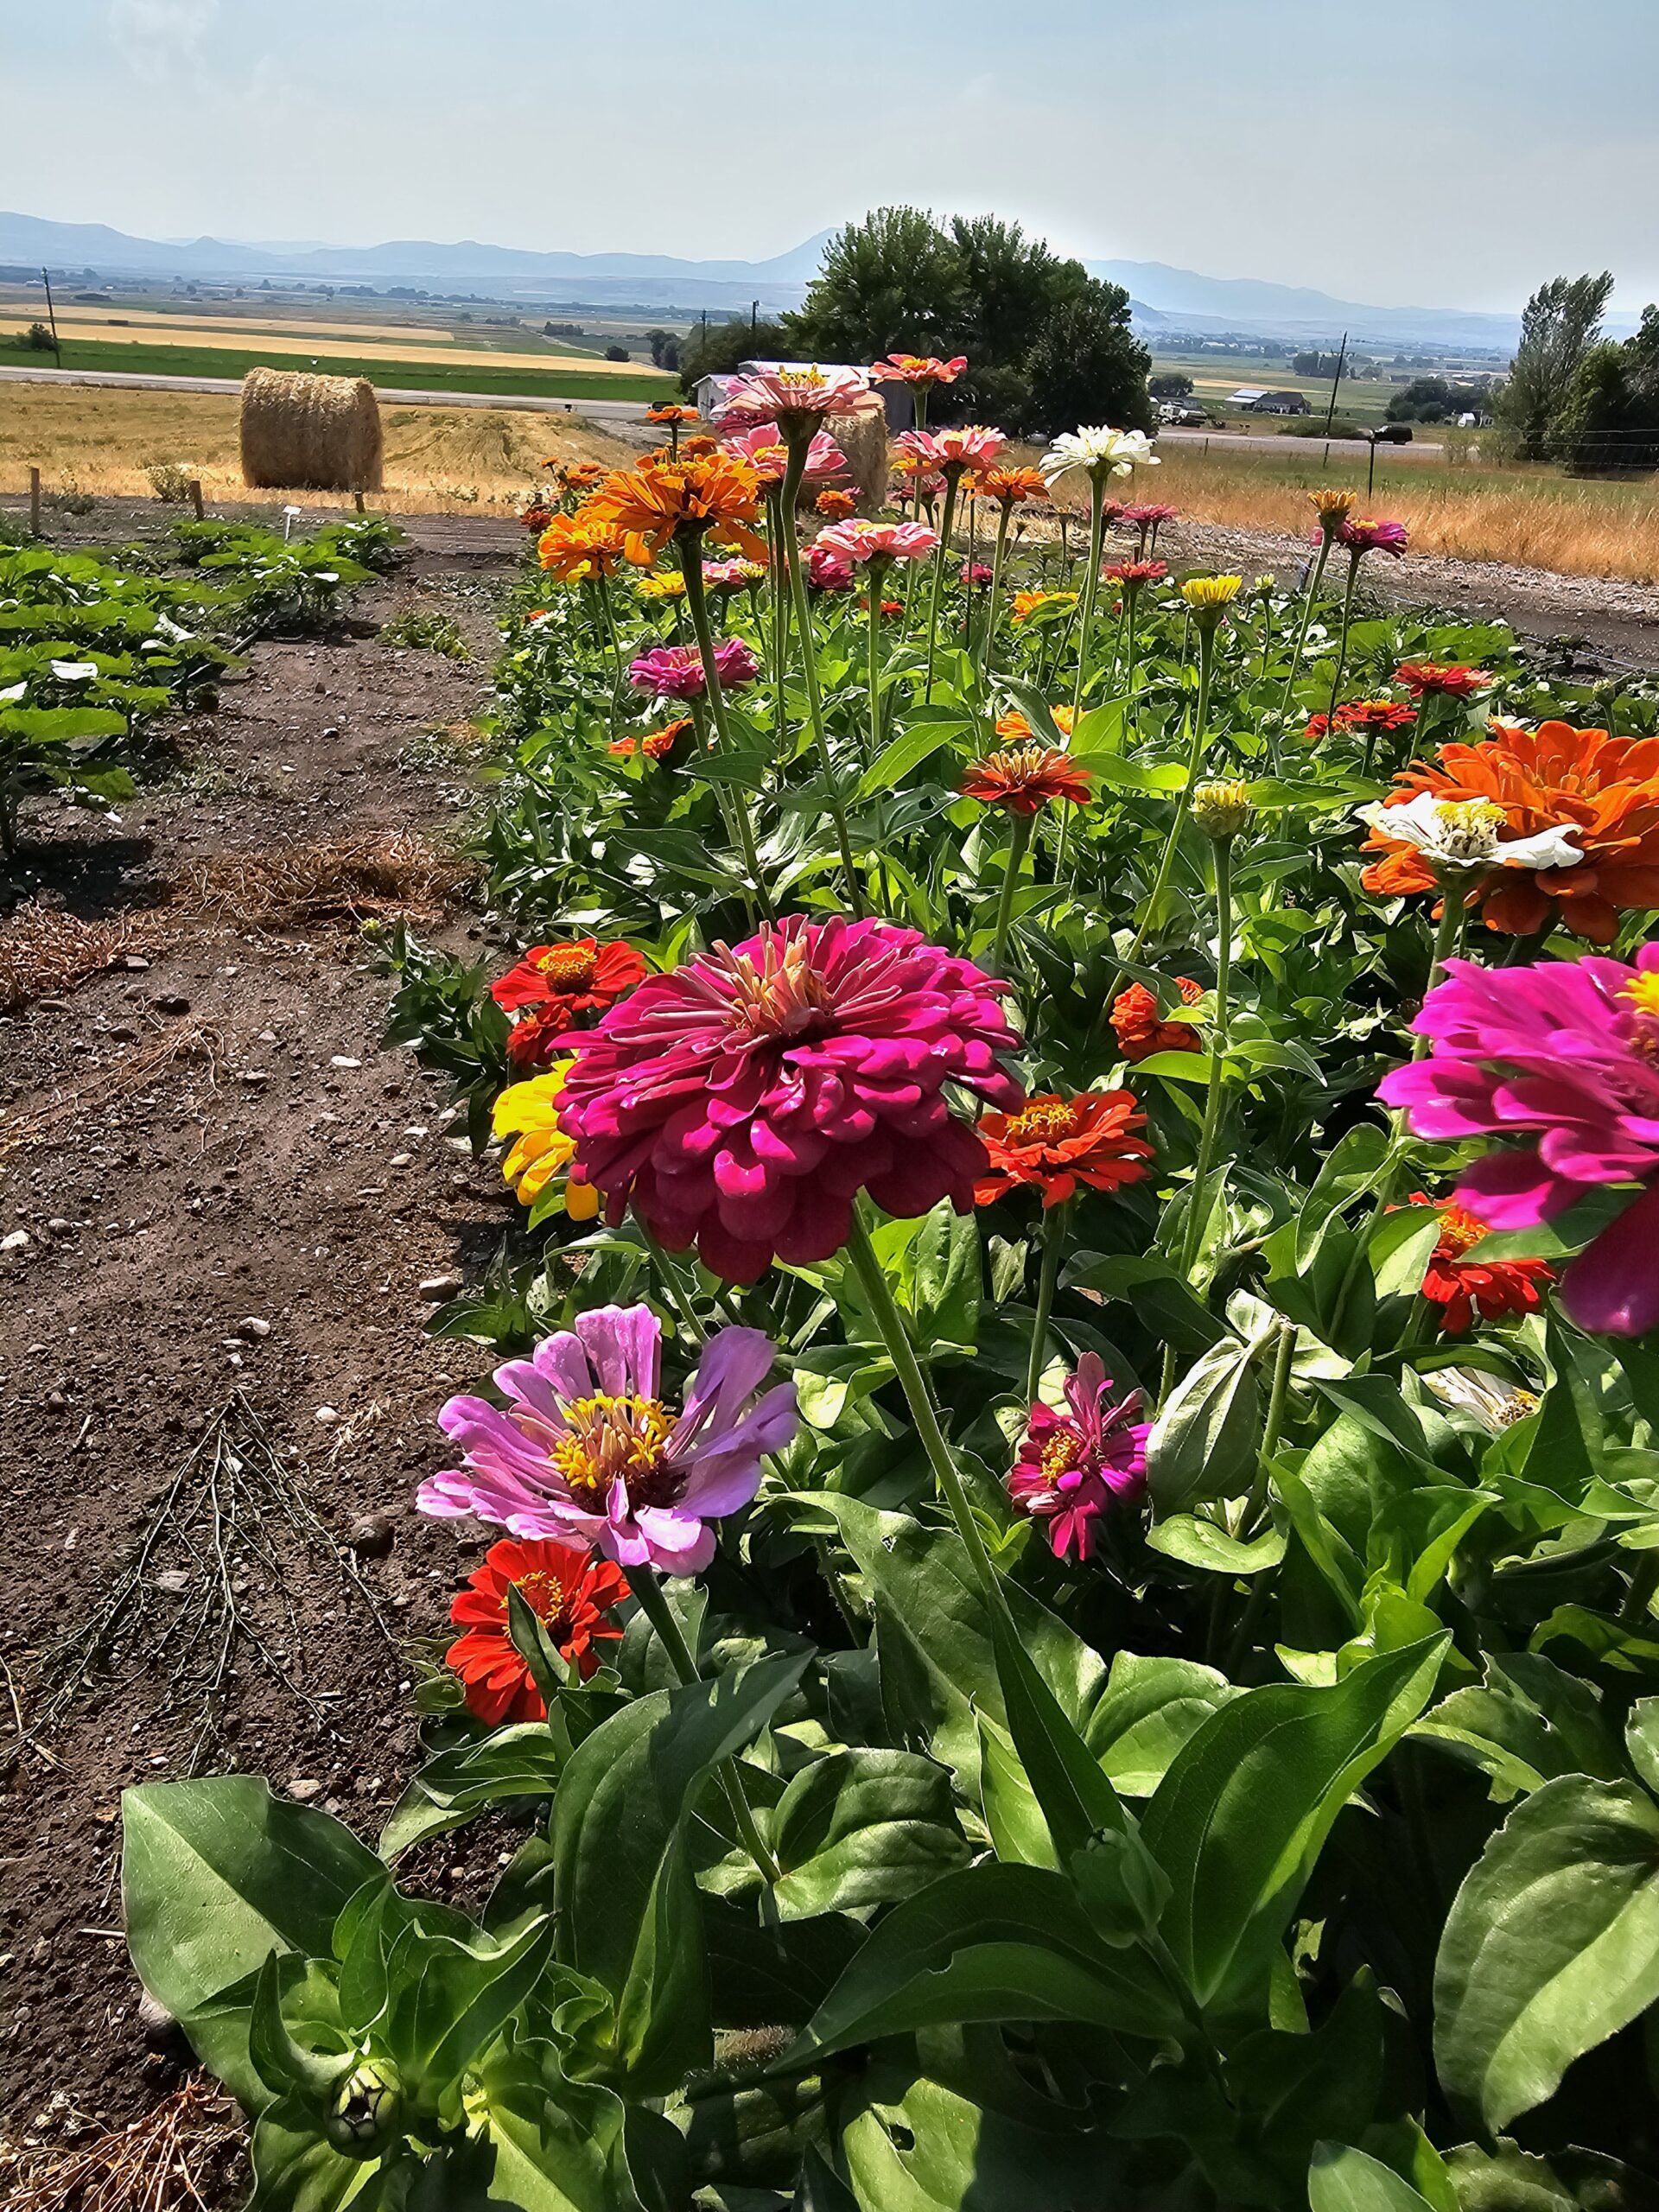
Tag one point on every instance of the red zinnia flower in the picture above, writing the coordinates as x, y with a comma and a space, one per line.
1448, 680
1462, 1287
1141, 1032
744, 1099
582, 977
1053, 1144
1136, 573
1362, 716
569, 1590
1025, 779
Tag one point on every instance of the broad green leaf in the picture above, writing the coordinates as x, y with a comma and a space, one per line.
863, 1828
918, 2146
1239, 1818
516, 1762
1206, 1545
296, 2170
1151, 1708
1078, 1803
990, 1943
1349, 1169
1019, 1833
217, 1874
906, 751
1342, 2179
1552, 1944
1203, 1443
1524, 1725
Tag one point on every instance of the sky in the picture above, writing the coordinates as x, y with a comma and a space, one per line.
1435, 153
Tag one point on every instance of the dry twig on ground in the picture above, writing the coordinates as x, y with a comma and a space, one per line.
43, 950
176, 2156
205, 1586
355, 879
113, 1081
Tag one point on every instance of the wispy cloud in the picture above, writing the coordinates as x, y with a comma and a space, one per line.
162, 39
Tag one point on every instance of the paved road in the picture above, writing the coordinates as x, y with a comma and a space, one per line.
603, 410
1265, 441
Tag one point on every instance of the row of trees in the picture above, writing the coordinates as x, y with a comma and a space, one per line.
1576, 397
1048, 344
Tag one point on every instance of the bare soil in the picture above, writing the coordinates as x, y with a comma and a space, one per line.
224, 1182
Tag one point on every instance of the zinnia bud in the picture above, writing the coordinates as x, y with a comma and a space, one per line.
1222, 810
367, 2110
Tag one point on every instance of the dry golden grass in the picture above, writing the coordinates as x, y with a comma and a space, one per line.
247, 318
346, 879
438, 460
1532, 517
44, 951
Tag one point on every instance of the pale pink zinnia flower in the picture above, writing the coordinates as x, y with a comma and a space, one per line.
677, 671
764, 449
742, 1101
973, 446
1563, 1057
922, 370
1073, 1466
585, 1446
781, 396
877, 541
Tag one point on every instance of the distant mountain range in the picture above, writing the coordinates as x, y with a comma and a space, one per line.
1166, 300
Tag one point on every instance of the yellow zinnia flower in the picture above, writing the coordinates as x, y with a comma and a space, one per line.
670, 585
528, 1111
1209, 597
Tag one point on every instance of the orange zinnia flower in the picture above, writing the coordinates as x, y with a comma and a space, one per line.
1014, 724
1054, 1144
578, 475
835, 506
1009, 486
1604, 789
1025, 603
701, 495
576, 549
656, 744
1141, 1030
1463, 1286
1025, 778
664, 412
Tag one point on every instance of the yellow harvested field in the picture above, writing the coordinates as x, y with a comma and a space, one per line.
438, 460
98, 321
219, 337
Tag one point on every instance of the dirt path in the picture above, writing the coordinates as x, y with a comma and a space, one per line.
249, 1196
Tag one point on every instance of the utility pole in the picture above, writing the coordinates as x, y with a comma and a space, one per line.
1331, 412
755, 319
51, 317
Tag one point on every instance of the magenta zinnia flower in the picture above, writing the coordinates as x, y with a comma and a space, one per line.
827, 571
1566, 1053
764, 449
744, 1100
877, 541
585, 1447
677, 671
1361, 537
1073, 1465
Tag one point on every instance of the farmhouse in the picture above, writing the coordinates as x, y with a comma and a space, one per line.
1254, 401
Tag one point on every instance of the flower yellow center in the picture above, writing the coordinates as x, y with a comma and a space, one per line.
1642, 994
1059, 1455
542, 1591
569, 967
1460, 1230
785, 996
1469, 827
615, 1438
1044, 1124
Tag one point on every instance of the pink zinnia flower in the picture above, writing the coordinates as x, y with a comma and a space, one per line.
764, 449
780, 395
826, 570
919, 369
1566, 1053
1148, 517
677, 671
974, 573
877, 541
1072, 1465
973, 446
1361, 537
743, 1100
585, 1446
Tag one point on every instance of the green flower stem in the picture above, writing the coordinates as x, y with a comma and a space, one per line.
1308, 601
690, 552
875, 576
941, 554
796, 464
1091, 587
655, 1607
1183, 802
1131, 614
923, 1411
1055, 1220
668, 1269
1019, 829
1209, 1133
1342, 642
1256, 1511
997, 555
778, 582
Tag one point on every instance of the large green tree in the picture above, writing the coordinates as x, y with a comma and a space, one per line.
891, 284
1087, 365
1560, 323
1608, 423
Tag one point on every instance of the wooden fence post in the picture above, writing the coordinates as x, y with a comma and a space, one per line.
35, 502
195, 496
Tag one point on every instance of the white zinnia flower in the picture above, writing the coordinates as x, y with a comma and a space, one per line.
75, 671
1466, 834
1098, 451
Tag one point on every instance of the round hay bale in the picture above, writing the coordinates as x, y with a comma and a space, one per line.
862, 436
320, 433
